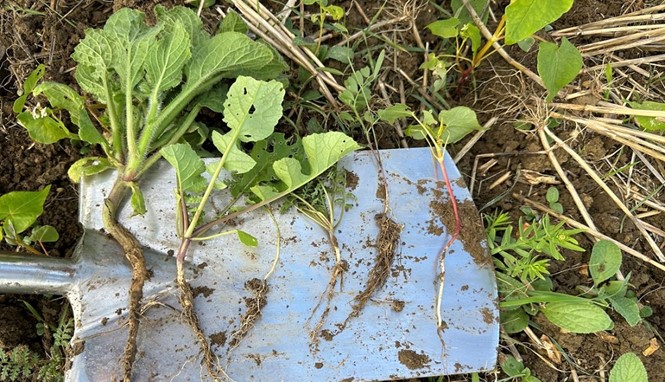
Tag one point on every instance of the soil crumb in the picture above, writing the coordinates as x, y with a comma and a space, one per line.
413, 360
218, 338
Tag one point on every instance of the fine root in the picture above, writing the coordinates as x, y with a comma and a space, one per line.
254, 304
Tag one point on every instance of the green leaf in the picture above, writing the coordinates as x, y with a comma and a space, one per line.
253, 108
95, 55
233, 23
525, 17
43, 128
214, 98
22, 208
28, 85
514, 321
526, 44
185, 16
62, 96
627, 308
629, 368
342, 54
44, 234
512, 367
166, 58
652, 124
188, 166
137, 201
87, 166
558, 66
577, 317
444, 28
459, 10
471, 32
394, 112
552, 195
605, 261
236, 159
459, 122
247, 239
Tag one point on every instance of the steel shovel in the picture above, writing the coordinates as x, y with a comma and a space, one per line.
395, 335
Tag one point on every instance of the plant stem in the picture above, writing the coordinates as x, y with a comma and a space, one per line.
116, 127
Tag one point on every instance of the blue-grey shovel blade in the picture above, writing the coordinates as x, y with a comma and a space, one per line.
394, 337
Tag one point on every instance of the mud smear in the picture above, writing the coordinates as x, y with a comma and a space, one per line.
254, 304
413, 360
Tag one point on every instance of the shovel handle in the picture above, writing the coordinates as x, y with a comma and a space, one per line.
34, 274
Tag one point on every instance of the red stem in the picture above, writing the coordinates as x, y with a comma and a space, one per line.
453, 201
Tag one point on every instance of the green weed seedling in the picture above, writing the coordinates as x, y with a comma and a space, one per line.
516, 370
19, 211
628, 368
143, 88
557, 65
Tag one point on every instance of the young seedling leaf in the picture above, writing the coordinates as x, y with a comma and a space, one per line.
22, 208
188, 166
247, 239
253, 108
44, 234
394, 112
558, 66
514, 321
236, 159
629, 368
651, 124
627, 308
605, 261
87, 166
577, 317
43, 128
471, 32
526, 17
552, 195
62, 96
166, 58
512, 367
28, 85
341, 54
459, 122
444, 28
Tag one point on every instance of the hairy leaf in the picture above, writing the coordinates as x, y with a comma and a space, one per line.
167, 57
577, 317
526, 17
22, 208
627, 308
629, 368
87, 166
185, 16
95, 55
233, 23
188, 166
558, 66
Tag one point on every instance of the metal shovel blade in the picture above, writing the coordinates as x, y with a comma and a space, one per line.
395, 335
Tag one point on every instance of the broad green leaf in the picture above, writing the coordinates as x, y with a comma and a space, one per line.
43, 128
526, 17
225, 55
22, 208
652, 124
394, 112
444, 28
136, 200
514, 321
342, 54
62, 96
236, 159
627, 308
253, 108
247, 239
87, 166
577, 317
459, 122
28, 85
558, 66
459, 10
95, 56
512, 367
167, 58
214, 98
185, 16
188, 166
44, 234
605, 261
629, 368
321, 152
233, 23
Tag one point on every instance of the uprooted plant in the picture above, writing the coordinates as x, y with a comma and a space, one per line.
144, 87
269, 172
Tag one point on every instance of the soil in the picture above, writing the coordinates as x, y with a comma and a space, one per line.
48, 35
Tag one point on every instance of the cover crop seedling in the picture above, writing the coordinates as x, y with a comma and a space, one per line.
19, 211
